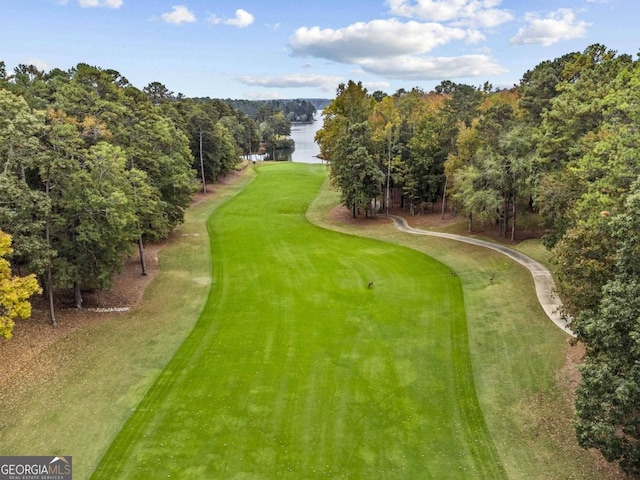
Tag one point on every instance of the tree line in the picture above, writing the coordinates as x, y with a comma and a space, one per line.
563, 144
91, 165
294, 110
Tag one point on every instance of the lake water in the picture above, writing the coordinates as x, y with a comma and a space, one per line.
306, 148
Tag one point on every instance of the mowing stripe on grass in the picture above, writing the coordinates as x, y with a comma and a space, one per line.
296, 369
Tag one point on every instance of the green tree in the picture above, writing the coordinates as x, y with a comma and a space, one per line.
226, 153
19, 128
517, 158
92, 219
585, 262
155, 146
158, 93
608, 396
594, 187
216, 150
14, 291
538, 87
358, 175
386, 132
22, 209
23, 214
426, 159
275, 131
569, 132
346, 143
238, 132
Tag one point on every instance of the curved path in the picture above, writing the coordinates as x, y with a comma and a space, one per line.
542, 278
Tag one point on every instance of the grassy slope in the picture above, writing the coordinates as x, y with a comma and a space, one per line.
99, 374
297, 370
517, 354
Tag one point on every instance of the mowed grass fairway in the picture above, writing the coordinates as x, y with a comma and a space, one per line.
296, 369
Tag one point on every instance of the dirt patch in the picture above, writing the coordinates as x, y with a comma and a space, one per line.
570, 375
227, 179
432, 218
33, 336
569, 378
428, 220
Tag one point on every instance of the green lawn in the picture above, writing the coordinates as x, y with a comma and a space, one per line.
517, 354
296, 369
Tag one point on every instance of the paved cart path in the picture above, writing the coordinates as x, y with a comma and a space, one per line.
542, 278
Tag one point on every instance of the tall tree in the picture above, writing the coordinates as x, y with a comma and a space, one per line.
385, 121
539, 86
346, 143
598, 183
23, 209
358, 174
569, 131
426, 157
609, 393
93, 219
154, 145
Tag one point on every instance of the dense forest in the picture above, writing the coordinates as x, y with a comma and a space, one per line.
91, 167
563, 145
294, 110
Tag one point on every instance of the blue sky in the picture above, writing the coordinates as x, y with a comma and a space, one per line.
260, 49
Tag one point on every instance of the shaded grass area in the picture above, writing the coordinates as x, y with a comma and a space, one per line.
297, 369
97, 375
518, 355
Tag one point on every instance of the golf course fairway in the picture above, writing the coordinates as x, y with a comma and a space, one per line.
317, 355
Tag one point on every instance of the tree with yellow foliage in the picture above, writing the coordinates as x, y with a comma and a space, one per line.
14, 291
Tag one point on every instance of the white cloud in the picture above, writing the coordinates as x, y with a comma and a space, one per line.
39, 64
241, 20
100, 3
433, 68
373, 86
292, 81
395, 49
377, 39
179, 14
262, 95
557, 26
476, 13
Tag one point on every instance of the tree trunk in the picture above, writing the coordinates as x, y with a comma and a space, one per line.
505, 212
204, 182
52, 310
513, 223
470, 222
444, 196
78, 295
388, 180
143, 263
